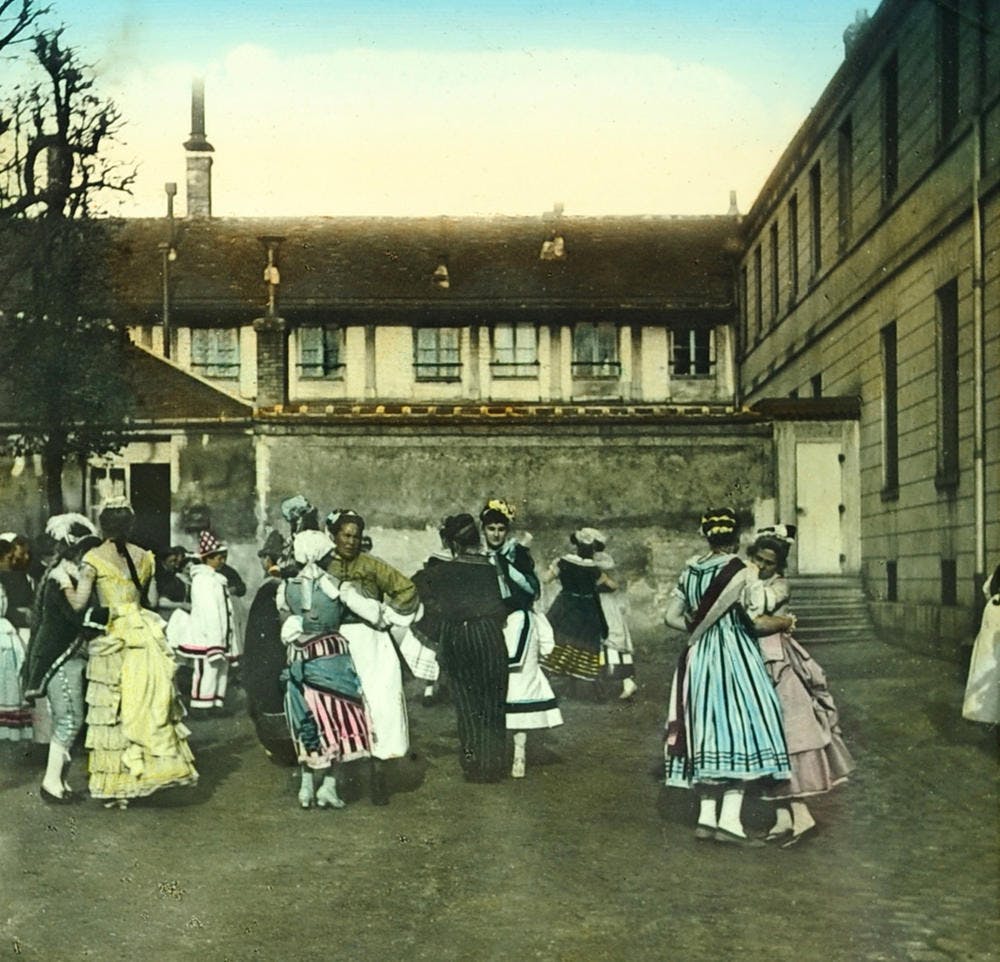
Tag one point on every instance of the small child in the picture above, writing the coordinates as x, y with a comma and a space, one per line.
210, 635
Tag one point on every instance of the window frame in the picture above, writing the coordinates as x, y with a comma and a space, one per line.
707, 352
201, 354
845, 183
888, 337
596, 368
521, 361
438, 369
331, 367
948, 385
889, 95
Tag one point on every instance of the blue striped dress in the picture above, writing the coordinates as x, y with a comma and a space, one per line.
731, 714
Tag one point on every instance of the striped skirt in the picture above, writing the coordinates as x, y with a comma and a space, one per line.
725, 720
323, 704
475, 656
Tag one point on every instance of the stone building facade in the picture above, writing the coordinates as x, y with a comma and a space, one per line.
870, 269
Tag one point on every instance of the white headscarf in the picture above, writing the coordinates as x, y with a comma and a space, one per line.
309, 547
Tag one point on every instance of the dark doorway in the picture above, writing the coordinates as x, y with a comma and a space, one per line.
149, 486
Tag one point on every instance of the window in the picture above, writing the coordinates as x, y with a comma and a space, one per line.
794, 393
890, 413
947, 55
744, 305
890, 127
106, 481
793, 248
692, 355
891, 582
215, 352
437, 355
845, 186
949, 581
320, 352
815, 218
595, 350
515, 350
774, 272
816, 383
758, 291
947, 346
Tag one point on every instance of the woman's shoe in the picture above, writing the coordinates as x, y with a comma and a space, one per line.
51, 799
778, 837
327, 796
794, 839
731, 838
629, 688
307, 792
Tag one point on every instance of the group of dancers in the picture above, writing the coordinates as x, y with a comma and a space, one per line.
748, 706
328, 626
470, 613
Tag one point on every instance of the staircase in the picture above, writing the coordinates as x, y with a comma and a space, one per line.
830, 608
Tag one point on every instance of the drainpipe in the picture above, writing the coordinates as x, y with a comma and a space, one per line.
978, 332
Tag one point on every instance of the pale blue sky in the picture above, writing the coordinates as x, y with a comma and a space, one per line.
445, 108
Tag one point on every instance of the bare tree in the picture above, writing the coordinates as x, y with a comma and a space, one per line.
16, 19
61, 357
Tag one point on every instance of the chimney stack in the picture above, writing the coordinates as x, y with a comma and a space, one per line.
854, 31
272, 336
734, 210
199, 159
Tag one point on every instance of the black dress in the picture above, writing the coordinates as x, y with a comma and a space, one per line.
263, 661
463, 603
577, 621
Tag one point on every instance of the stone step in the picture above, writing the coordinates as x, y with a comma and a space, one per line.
830, 609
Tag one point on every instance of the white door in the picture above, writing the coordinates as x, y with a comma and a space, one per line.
820, 498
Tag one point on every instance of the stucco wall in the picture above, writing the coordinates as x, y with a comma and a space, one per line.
218, 470
645, 489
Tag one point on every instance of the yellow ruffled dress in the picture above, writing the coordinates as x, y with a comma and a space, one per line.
135, 733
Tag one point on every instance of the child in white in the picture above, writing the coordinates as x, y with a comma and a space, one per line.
209, 644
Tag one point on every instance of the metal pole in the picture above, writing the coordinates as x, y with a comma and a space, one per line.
165, 250
978, 334
169, 253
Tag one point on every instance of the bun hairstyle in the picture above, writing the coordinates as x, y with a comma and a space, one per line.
497, 511
459, 531
336, 519
588, 541
719, 526
768, 542
116, 520
300, 514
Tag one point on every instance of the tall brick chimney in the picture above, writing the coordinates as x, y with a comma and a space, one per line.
272, 336
199, 158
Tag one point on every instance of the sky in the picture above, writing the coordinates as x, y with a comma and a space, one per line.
390, 108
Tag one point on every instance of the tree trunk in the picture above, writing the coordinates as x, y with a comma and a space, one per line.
53, 456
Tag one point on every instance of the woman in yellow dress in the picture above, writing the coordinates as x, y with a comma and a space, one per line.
135, 733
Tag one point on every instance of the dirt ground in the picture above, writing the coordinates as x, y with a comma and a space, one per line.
587, 858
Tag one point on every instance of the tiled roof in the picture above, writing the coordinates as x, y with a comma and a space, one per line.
163, 393
345, 264
166, 393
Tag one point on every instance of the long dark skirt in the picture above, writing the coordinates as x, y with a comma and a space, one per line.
263, 661
475, 657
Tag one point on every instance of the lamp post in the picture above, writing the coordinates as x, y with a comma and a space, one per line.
169, 254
